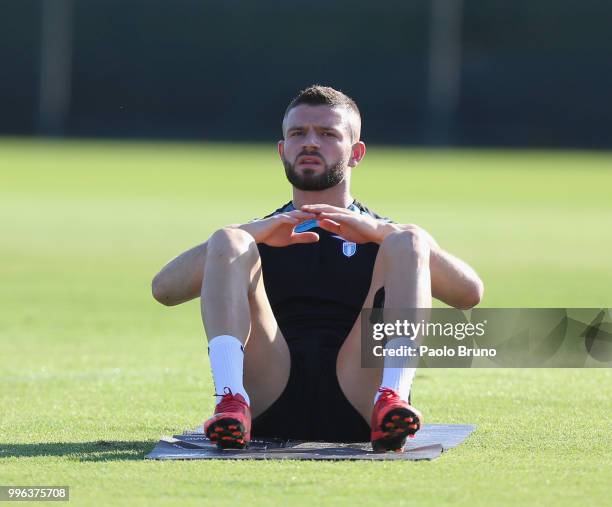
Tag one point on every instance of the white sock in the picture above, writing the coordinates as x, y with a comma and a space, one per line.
398, 371
226, 355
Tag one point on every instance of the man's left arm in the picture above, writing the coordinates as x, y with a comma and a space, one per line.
453, 281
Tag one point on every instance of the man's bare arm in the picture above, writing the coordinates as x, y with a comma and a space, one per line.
453, 281
181, 279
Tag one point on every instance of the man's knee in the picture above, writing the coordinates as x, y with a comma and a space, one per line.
411, 245
231, 243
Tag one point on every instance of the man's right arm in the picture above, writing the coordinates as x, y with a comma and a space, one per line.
181, 279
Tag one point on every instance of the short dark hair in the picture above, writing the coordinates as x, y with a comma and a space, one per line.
318, 95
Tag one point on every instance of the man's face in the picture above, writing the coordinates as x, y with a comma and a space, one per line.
318, 147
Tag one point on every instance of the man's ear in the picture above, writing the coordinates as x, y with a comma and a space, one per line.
358, 151
281, 148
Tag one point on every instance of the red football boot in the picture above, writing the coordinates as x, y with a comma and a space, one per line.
393, 420
230, 426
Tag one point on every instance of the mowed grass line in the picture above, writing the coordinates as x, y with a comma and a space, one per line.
94, 371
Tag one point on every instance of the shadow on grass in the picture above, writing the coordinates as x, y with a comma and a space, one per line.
102, 450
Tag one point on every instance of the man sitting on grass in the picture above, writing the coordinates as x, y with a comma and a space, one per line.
281, 296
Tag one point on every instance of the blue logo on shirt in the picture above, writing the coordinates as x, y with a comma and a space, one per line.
349, 248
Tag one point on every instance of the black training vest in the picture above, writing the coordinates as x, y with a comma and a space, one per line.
317, 290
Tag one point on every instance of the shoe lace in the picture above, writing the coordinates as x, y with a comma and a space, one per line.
229, 402
386, 393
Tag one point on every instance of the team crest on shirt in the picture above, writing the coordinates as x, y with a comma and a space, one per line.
349, 248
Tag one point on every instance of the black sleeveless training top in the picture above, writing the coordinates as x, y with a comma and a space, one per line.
318, 289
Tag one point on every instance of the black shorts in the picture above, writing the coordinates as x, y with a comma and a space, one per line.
312, 406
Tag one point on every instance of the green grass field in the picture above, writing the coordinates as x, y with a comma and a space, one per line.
93, 370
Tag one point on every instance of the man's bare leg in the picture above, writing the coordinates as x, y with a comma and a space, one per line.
234, 304
402, 268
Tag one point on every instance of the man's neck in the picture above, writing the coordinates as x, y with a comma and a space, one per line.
336, 196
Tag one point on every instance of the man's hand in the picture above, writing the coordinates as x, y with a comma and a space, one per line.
278, 230
350, 225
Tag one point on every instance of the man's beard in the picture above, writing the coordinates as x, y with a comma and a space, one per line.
330, 177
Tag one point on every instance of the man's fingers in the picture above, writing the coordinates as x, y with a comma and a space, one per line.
320, 208
304, 237
287, 219
338, 217
294, 217
330, 225
301, 214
